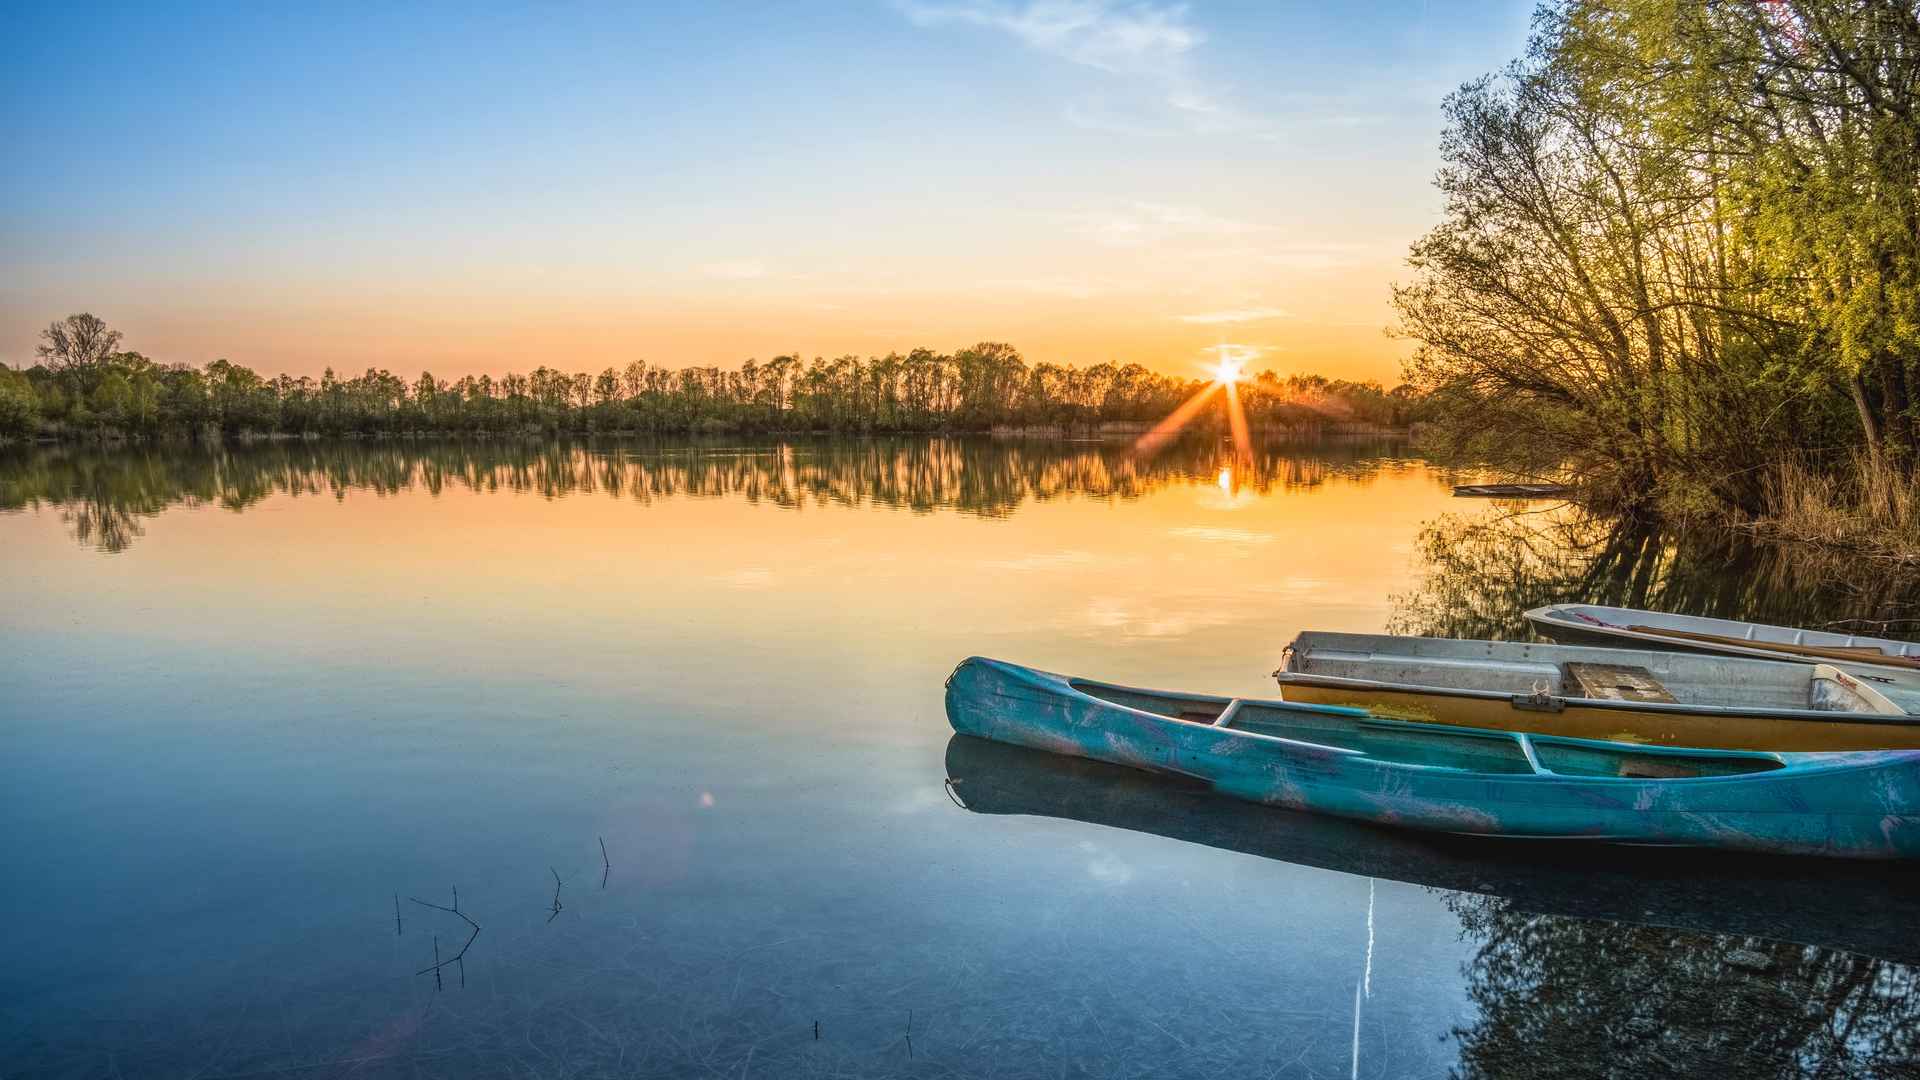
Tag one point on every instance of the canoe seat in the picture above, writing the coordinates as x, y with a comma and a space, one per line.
1616, 682
1460, 673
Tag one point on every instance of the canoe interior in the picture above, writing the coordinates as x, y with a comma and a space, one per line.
1513, 667
1601, 617
1464, 750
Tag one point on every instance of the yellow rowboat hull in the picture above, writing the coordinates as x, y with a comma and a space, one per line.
1717, 730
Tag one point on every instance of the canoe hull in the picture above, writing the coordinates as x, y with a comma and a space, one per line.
1860, 805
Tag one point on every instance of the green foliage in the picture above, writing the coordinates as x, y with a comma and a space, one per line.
19, 406
112, 398
1681, 243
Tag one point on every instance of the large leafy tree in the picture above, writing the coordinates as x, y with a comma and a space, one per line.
1680, 243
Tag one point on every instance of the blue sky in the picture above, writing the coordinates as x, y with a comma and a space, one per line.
457, 186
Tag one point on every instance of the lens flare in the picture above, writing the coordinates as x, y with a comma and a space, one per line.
1227, 373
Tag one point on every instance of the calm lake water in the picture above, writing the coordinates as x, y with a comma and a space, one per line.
254, 703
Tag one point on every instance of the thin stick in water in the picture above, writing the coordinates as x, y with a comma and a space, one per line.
458, 957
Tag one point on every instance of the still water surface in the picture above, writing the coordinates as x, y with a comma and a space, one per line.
255, 703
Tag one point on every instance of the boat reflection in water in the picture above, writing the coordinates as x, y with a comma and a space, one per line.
1653, 961
1812, 902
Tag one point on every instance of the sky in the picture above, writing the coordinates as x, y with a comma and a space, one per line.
468, 188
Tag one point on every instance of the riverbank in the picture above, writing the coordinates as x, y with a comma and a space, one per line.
1874, 512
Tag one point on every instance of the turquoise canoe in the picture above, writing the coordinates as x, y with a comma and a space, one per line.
1349, 763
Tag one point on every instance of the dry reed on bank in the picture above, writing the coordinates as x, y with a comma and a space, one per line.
1872, 508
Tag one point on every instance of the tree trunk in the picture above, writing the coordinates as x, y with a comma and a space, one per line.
1869, 427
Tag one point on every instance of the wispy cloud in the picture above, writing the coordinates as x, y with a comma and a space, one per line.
1329, 256
1232, 353
735, 269
1235, 316
1065, 288
1143, 42
1132, 39
1140, 223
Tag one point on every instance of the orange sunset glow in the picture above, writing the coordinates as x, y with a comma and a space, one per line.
1139, 185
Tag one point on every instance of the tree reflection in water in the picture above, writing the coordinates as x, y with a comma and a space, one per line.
1572, 997
104, 494
1479, 573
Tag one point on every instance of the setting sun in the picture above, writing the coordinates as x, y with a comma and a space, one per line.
1227, 371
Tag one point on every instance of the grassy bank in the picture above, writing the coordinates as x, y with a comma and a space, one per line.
1871, 508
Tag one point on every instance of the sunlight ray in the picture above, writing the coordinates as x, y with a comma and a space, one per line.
1237, 419
1150, 443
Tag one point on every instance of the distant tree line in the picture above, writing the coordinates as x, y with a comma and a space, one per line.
86, 386
1681, 254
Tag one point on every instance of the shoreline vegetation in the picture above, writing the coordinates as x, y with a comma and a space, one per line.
1679, 265
86, 388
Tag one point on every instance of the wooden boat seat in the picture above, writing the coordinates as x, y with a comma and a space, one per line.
1469, 673
1616, 682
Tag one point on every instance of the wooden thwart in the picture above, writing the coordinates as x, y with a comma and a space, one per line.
1617, 682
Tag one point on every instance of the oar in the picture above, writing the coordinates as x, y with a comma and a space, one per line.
1851, 653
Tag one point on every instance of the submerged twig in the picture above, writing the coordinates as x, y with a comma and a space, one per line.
605, 862
396, 914
458, 957
556, 895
